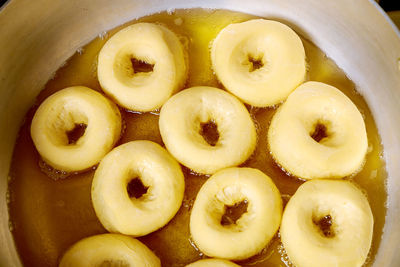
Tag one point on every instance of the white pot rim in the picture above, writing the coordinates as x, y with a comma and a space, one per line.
357, 34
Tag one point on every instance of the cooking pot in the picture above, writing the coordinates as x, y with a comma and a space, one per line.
36, 37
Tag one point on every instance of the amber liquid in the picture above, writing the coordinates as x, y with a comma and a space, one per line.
50, 212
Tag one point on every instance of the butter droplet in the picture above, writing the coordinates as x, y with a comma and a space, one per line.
178, 21
373, 174
60, 203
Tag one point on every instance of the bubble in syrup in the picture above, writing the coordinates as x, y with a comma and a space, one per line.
93, 68
64, 64
184, 41
192, 172
362, 190
368, 259
103, 35
370, 148
11, 226
308, 67
195, 247
51, 172
156, 111
135, 112
285, 199
80, 50
188, 203
53, 76
284, 257
8, 197
362, 114
210, 45
170, 11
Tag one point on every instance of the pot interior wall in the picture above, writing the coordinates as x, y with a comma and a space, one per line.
38, 36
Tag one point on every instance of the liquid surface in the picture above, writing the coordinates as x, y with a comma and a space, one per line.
50, 210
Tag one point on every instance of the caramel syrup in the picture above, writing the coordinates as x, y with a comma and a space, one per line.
51, 210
